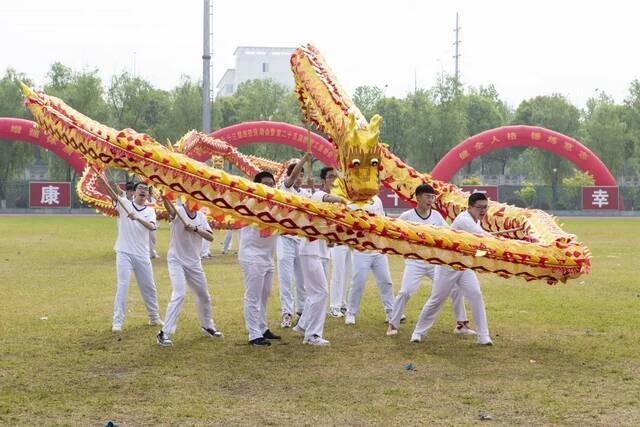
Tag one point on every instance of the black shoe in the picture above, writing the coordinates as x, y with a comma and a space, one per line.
163, 340
270, 335
209, 332
259, 342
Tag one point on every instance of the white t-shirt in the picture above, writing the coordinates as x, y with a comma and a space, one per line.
465, 222
434, 218
185, 246
133, 237
299, 192
255, 248
318, 247
375, 207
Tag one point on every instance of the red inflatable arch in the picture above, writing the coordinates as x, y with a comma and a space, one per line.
278, 133
527, 136
27, 131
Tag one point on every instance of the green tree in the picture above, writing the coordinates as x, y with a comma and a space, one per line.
15, 156
82, 91
366, 99
393, 130
604, 131
556, 113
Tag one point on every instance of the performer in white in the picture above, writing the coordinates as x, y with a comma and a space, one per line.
256, 260
340, 279
187, 228
228, 241
153, 237
445, 278
416, 270
289, 270
314, 257
362, 262
135, 220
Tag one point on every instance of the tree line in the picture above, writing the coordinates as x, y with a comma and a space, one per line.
421, 127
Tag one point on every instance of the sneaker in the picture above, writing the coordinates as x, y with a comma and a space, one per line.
335, 312
298, 330
463, 330
350, 319
156, 322
154, 255
416, 337
116, 328
286, 320
392, 330
270, 335
343, 310
403, 318
211, 332
259, 342
316, 340
485, 342
163, 339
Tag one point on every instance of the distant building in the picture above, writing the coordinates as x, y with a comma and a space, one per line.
255, 62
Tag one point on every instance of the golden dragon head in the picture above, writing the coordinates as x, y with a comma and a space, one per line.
358, 159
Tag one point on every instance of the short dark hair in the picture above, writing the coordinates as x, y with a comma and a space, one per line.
291, 167
424, 188
476, 197
137, 184
261, 175
324, 171
130, 186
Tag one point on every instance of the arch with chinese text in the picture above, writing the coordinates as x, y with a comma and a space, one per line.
523, 136
13, 129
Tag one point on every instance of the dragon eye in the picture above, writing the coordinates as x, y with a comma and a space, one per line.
374, 162
355, 163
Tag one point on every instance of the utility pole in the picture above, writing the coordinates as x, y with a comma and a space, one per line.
457, 55
206, 67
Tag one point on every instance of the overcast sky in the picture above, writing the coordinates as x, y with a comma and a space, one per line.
523, 48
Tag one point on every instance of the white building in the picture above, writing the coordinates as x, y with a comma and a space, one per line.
254, 62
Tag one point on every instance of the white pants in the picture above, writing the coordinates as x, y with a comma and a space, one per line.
314, 271
290, 271
414, 272
445, 279
258, 279
140, 265
152, 243
205, 249
192, 275
226, 244
340, 275
362, 262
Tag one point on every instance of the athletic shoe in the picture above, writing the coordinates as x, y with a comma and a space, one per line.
343, 310
163, 339
392, 331
286, 320
316, 340
156, 322
485, 342
350, 319
403, 318
416, 337
116, 328
335, 312
463, 330
154, 255
259, 342
270, 335
298, 330
210, 332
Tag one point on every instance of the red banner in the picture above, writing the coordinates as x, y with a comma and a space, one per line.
491, 191
50, 195
600, 198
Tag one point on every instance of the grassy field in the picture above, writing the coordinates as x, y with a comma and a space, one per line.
566, 354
